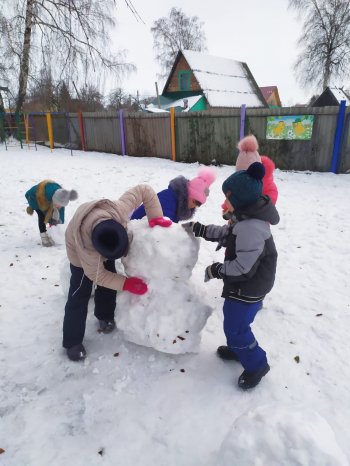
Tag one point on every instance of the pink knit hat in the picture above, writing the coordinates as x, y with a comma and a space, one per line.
248, 153
198, 188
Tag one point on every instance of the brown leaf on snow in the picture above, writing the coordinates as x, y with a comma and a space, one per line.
181, 338
11, 265
174, 341
2, 450
297, 359
116, 355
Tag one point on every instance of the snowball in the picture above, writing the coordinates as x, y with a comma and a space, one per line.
277, 435
56, 232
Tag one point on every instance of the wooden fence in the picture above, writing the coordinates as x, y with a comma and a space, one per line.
207, 137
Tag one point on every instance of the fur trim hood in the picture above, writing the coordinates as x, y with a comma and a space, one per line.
179, 186
269, 166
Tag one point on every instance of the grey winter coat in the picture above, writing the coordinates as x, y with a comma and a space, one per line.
250, 262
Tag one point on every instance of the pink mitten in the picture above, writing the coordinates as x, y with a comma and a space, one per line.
160, 221
135, 285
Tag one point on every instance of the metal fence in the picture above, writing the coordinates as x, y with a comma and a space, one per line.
207, 137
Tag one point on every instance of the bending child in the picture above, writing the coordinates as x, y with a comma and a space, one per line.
95, 237
180, 200
48, 199
248, 270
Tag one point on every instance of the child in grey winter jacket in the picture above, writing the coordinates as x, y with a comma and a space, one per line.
249, 268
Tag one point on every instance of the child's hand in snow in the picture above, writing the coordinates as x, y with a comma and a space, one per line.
135, 285
160, 221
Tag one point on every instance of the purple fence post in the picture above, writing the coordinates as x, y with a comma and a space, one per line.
241, 130
122, 131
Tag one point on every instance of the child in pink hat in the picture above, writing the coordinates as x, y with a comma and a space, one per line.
182, 197
248, 154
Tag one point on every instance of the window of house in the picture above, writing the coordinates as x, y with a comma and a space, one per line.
184, 80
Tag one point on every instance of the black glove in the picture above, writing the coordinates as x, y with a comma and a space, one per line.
212, 271
196, 228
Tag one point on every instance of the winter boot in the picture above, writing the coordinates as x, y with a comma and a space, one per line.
251, 379
107, 326
46, 241
76, 352
224, 352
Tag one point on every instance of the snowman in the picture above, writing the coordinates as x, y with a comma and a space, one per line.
171, 315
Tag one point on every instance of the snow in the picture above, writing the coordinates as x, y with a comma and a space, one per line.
131, 404
153, 109
339, 95
224, 82
191, 101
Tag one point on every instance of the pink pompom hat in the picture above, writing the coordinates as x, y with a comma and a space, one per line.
248, 153
198, 188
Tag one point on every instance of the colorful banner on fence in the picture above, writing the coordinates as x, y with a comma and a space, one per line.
290, 127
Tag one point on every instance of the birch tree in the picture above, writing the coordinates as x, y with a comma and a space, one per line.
69, 36
325, 41
176, 32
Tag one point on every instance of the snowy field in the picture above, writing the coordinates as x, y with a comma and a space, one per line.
130, 405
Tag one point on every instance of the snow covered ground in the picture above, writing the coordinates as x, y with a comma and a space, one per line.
131, 405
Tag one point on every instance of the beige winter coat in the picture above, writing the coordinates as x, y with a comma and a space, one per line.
80, 250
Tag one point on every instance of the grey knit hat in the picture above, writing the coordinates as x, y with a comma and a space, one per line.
62, 197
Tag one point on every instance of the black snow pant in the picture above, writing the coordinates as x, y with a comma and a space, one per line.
41, 221
77, 305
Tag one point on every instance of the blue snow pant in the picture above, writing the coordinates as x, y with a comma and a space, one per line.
238, 316
77, 305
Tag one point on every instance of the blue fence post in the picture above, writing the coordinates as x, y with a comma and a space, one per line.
241, 130
122, 130
338, 138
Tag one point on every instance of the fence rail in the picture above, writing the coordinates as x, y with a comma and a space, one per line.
207, 137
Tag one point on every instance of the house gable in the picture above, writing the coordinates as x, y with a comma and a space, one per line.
271, 96
181, 78
331, 96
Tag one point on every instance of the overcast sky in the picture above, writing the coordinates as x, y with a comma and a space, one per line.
262, 33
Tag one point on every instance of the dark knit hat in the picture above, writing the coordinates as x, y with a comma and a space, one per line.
110, 239
244, 187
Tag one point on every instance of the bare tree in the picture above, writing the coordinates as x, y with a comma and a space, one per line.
43, 93
90, 99
117, 98
120, 99
176, 32
70, 36
325, 40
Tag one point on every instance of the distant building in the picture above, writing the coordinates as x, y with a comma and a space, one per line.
331, 96
198, 81
271, 96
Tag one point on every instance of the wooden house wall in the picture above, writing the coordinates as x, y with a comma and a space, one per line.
173, 85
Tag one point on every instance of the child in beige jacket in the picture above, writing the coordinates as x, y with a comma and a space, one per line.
95, 237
